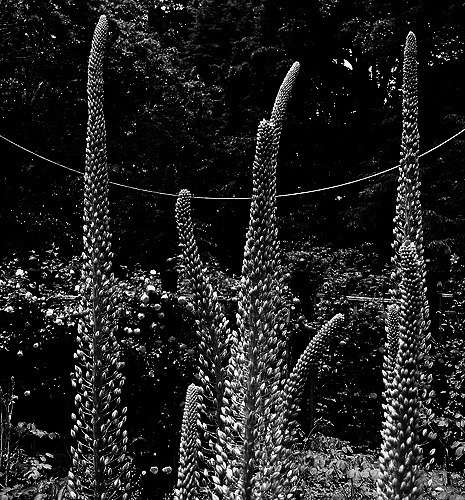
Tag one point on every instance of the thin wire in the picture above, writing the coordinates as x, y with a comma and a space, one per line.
82, 173
40, 156
285, 195
377, 174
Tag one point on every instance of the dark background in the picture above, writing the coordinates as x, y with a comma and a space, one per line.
186, 85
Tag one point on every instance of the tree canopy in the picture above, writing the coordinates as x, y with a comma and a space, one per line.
186, 85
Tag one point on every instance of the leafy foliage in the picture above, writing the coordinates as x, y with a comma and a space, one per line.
334, 470
347, 391
24, 470
185, 96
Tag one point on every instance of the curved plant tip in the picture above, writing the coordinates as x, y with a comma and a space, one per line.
283, 96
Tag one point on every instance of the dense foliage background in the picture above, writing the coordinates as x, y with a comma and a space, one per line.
186, 85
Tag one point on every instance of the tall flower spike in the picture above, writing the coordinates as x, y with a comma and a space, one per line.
292, 395
188, 474
407, 320
244, 454
400, 451
212, 331
261, 325
257, 370
295, 384
100, 464
262, 313
408, 218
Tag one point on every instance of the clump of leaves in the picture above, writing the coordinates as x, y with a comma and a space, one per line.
333, 470
351, 281
25, 471
435, 486
445, 427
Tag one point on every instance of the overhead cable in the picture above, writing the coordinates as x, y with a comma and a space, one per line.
284, 195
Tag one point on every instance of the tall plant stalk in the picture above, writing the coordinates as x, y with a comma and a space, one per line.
408, 218
407, 323
100, 464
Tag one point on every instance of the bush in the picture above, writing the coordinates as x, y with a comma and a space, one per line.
38, 324
333, 470
349, 386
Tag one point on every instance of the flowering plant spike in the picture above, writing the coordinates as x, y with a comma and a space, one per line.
100, 465
188, 480
400, 451
213, 331
408, 218
407, 322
